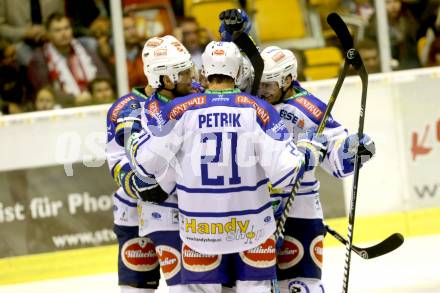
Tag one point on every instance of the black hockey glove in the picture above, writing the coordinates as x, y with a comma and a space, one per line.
147, 192
233, 20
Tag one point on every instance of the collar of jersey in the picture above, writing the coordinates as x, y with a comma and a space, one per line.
234, 91
138, 91
302, 93
162, 98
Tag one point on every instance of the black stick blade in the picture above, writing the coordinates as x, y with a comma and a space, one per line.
341, 30
393, 242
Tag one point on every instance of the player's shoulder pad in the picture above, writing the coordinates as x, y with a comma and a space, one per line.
178, 106
267, 117
120, 104
312, 107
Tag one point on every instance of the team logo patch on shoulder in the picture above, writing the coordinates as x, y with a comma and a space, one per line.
197, 262
311, 107
138, 254
291, 253
179, 109
153, 108
262, 256
169, 259
316, 250
261, 112
117, 109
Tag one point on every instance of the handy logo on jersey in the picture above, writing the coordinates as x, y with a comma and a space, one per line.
290, 253
117, 109
261, 112
181, 108
138, 254
197, 262
169, 259
262, 256
310, 107
316, 250
195, 227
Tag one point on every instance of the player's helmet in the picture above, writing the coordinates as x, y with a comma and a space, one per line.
222, 58
278, 64
164, 56
246, 75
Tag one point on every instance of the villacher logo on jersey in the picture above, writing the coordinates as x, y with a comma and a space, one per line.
291, 253
169, 259
139, 255
262, 256
197, 262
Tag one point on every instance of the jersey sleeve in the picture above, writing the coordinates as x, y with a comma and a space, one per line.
314, 109
277, 153
118, 162
155, 147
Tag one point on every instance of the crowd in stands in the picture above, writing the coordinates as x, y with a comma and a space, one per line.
60, 53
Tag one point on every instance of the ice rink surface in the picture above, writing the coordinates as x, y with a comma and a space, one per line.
414, 267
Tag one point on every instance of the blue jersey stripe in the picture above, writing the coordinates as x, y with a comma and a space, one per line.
129, 203
167, 204
284, 177
226, 214
222, 190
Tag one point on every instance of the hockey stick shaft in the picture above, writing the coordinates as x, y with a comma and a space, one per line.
279, 232
247, 45
352, 213
353, 57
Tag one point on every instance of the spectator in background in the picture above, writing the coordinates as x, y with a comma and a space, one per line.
100, 30
45, 99
434, 53
65, 64
370, 55
12, 91
102, 91
191, 37
403, 34
21, 22
135, 67
84, 12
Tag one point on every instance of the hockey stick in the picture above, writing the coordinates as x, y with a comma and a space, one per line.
245, 44
338, 25
279, 232
387, 245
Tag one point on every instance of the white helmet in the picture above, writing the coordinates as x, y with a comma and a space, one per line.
222, 58
246, 75
164, 56
278, 64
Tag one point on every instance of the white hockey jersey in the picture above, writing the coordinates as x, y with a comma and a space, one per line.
128, 209
225, 147
301, 112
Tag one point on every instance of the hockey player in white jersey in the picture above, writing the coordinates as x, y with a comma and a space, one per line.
138, 265
300, 257
225, 146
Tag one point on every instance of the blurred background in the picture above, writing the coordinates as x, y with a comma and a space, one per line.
55, 188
